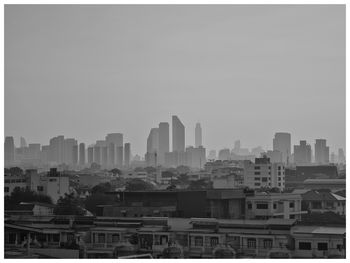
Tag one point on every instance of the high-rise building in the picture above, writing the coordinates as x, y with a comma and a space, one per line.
178, 135
127, 154
341, 156
153, 140
224, 154
198, 135
274, 156
97, 154
82, 153
196, 157
104, 153
212, 155
75, 154
90, 154
302, 153
163, 142
9, 150
68, 146
113, 140
23, 143
57, 149
321, 152
119, 156
282, 143
237, 147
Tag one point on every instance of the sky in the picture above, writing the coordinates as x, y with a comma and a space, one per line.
243, 72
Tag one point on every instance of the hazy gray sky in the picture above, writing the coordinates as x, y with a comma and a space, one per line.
244, 72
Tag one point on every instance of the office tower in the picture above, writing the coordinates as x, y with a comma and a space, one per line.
341, 156
57, 149
178, 135
97, 154
274, 156
257, 151
104, 153
153, 141
82, 153
224, 154
34, 151
321, 152
68, 146
163, 142
263, 173
119, 156
333, 158
127, 153
237, 147
282, 143
23, 143
113, 140
9, 150
75, 154
44, 154
302, 153
198, 135
212, 155
90, 154
196, 157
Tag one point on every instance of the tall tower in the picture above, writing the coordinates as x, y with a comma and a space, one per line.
82, 153
127, 153
282, 143
9, 150
178, 135
321, 151
163, 142
198, 135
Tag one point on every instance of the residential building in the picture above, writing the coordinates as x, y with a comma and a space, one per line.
282, 143
302, 153
321, 152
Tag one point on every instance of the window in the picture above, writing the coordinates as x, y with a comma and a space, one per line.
257, 178
279, 173
316, 205
40, 188
279, 167
264, 179
279, 184
257, 167
115, 238
340, 247
53, 180
279, 178
262, 206
257, 173
274, 206
291, 204
267, 243
305, 245
101, 238
291, 216
257, 184
198, 241
251, 243
249, 206
322, 246
214, 241
7, 189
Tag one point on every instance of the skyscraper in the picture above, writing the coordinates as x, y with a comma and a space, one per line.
302, 153
23, 143
82, 153
127, 153
178, 135
321, 152
198, 135
68, 146
9, 150
163, 142
113, 140
75, 154
90, 154
153, 141
104, 153
120, 156
341, 156
97, 154
57, 149
282, 143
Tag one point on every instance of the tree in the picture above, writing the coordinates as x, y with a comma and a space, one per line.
150, 169
116, 171
69, 205
102, 188
19, 195
138, 185
200, 184
95, 166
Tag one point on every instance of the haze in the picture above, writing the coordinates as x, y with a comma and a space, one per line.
243, 72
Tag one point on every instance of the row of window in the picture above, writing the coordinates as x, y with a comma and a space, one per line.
320, 246
8, 181
266, 205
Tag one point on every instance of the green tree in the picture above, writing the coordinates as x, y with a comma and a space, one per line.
200, 184
138, 185
116, 171
19, 195
69, 205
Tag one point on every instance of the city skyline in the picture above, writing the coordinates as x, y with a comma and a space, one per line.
118, 76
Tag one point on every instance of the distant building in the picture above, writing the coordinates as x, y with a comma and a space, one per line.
82, 154
127, 154
90, 154
321, 152
120, 156
274, 156
302, 153
212, 155
178, 135
282, 143
163, 142
263, 173
97, 154
198, 135
196, 157
224, 154
9, 151
341, 156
